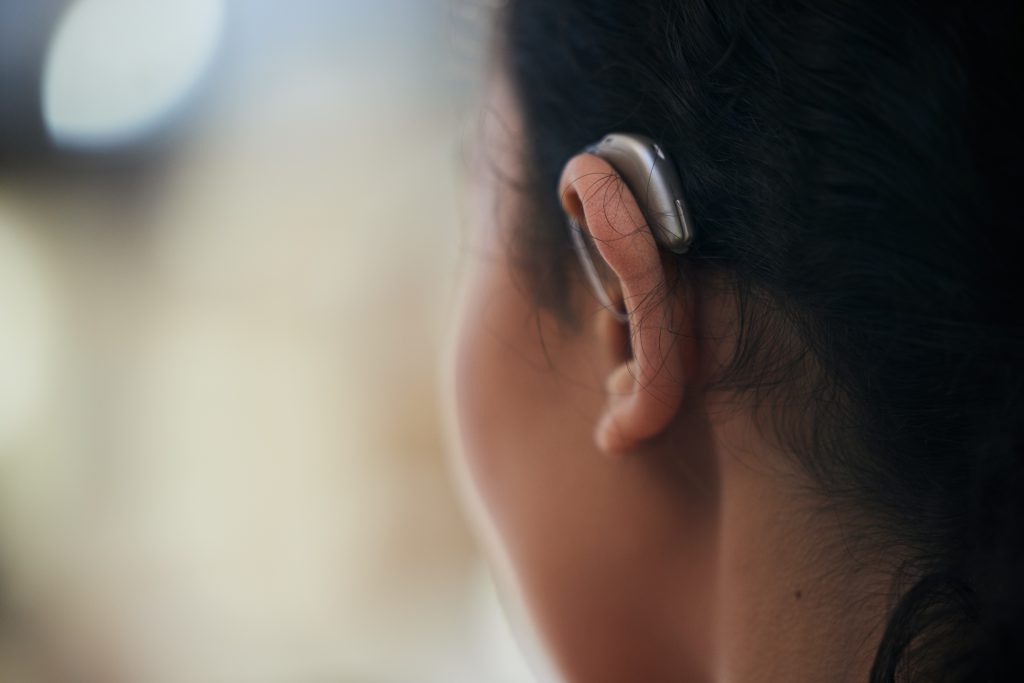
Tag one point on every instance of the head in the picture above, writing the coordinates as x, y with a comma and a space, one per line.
799, 458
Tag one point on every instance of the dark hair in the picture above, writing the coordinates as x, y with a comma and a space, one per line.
854, 170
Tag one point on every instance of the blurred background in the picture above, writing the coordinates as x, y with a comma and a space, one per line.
229, 232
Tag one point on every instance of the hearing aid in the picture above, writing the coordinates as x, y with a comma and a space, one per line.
654, 181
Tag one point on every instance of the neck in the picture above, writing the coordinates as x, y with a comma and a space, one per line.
799, 600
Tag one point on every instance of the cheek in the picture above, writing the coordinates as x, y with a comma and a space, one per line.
512, 405
591, 541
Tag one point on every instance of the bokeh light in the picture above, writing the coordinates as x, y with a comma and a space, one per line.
116, 70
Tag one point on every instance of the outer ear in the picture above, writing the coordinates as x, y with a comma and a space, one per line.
645, 391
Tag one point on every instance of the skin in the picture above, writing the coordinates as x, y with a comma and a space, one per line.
651, 527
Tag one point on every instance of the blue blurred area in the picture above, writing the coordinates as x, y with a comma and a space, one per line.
391, 41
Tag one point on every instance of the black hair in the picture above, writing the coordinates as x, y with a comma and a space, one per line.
854, 168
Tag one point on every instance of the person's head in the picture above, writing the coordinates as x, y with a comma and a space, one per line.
801, 457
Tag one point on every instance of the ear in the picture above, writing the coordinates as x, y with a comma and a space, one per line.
644, 391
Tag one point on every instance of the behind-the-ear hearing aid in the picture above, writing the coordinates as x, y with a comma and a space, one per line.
654, 181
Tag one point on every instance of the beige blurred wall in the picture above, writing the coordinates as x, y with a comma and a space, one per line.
220, 458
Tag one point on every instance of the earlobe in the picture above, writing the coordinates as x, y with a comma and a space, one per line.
644, 392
